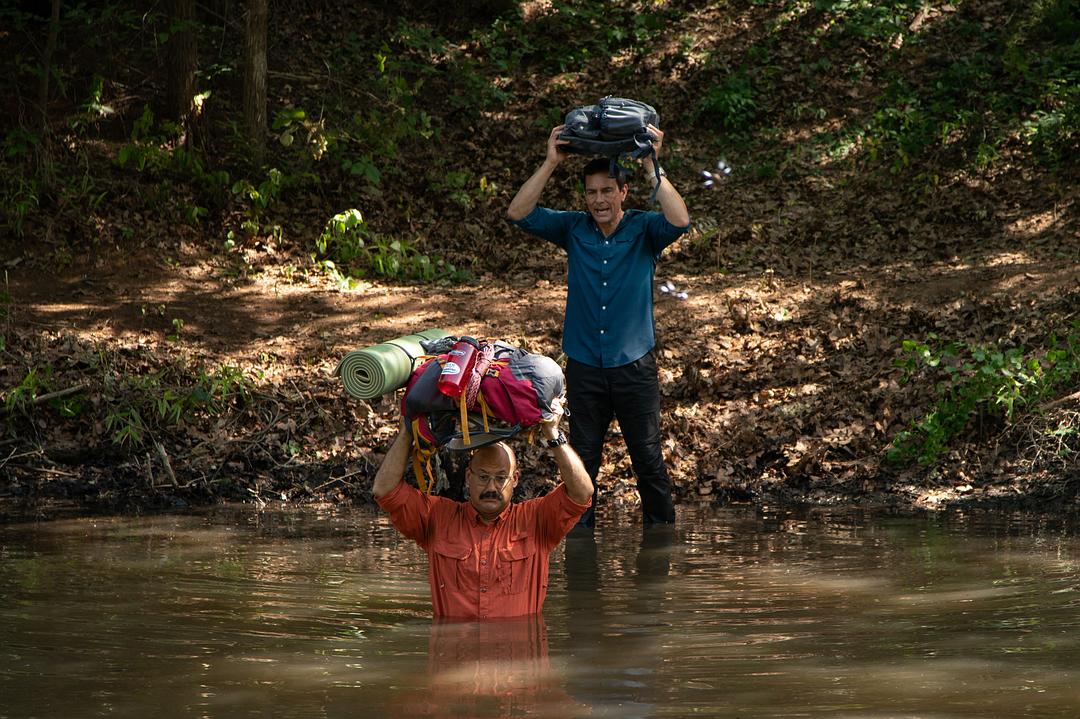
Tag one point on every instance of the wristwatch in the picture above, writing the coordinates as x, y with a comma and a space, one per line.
553, 443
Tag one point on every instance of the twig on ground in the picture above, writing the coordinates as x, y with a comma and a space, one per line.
16, 456
1060, 401
42, 399
331, 481
59, 393
342, 479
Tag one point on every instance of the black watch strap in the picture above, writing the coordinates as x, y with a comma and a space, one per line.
552, 443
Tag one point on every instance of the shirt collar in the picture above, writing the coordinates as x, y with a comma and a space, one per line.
622, 221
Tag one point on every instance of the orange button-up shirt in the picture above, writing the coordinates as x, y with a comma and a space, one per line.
479, 570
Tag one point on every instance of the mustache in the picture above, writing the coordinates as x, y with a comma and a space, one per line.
490, 495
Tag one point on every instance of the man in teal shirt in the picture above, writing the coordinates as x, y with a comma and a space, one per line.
608, 333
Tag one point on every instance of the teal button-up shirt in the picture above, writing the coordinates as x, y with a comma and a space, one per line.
609, 298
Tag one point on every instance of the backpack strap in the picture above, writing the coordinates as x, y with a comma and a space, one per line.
484, 409
645, 149
421, 461
656, 169
464, 407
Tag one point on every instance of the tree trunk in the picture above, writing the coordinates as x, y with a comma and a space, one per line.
46, 63
255, 76
183, 61
43, 154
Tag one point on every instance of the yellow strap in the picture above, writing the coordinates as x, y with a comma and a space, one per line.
417, 454
464, 421
483, 409
430, 477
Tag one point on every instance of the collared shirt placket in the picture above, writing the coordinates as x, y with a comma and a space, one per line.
605, 296
485, 565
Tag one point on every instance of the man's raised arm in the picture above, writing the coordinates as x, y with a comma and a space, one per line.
526, 198
392, 469
671, 202
572, 472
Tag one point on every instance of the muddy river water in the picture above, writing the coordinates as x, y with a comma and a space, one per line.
735, 612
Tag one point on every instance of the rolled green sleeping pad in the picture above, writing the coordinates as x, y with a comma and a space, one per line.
373, 371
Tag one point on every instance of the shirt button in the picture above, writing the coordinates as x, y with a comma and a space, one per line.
483, 589
605, 262
603, 307
601, 331
604, 283
483, 562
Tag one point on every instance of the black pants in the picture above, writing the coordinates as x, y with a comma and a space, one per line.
631, 394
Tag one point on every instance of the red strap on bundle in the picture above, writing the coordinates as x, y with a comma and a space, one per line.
483, 361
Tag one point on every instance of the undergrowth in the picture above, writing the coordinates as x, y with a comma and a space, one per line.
978, 389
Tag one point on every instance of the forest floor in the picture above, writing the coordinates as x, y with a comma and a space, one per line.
166, 341
777, 388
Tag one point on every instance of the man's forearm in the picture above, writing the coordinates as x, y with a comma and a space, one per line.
672, 204
572, 471
526, 198
392, 469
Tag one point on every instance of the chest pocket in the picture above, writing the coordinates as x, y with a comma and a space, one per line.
451, 563
516, 561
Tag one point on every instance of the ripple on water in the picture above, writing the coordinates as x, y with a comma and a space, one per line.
732, 613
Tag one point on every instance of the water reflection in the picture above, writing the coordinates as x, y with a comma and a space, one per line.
619, 635
500, 668
729, 613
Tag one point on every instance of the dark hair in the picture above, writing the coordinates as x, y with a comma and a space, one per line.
603, 164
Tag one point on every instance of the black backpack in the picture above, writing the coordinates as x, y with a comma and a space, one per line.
615, 128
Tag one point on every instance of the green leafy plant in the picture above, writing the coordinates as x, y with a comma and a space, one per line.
138, 407
154, 149
985, 386
345, 237
461, 187
872, 19
730, 105
1053, 130
292, 123
93, 109
145, 150
371, 142
178, 328
901, 129
19, 198
258, 198
126, 426
23, 396
36, 389
19, 144
349, 251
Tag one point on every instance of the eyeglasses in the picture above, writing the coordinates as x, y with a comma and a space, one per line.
499, 480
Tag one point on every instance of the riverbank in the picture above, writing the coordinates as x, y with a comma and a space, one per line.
779, 386
881, 300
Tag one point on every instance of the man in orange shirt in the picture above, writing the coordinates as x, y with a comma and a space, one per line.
487, 558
